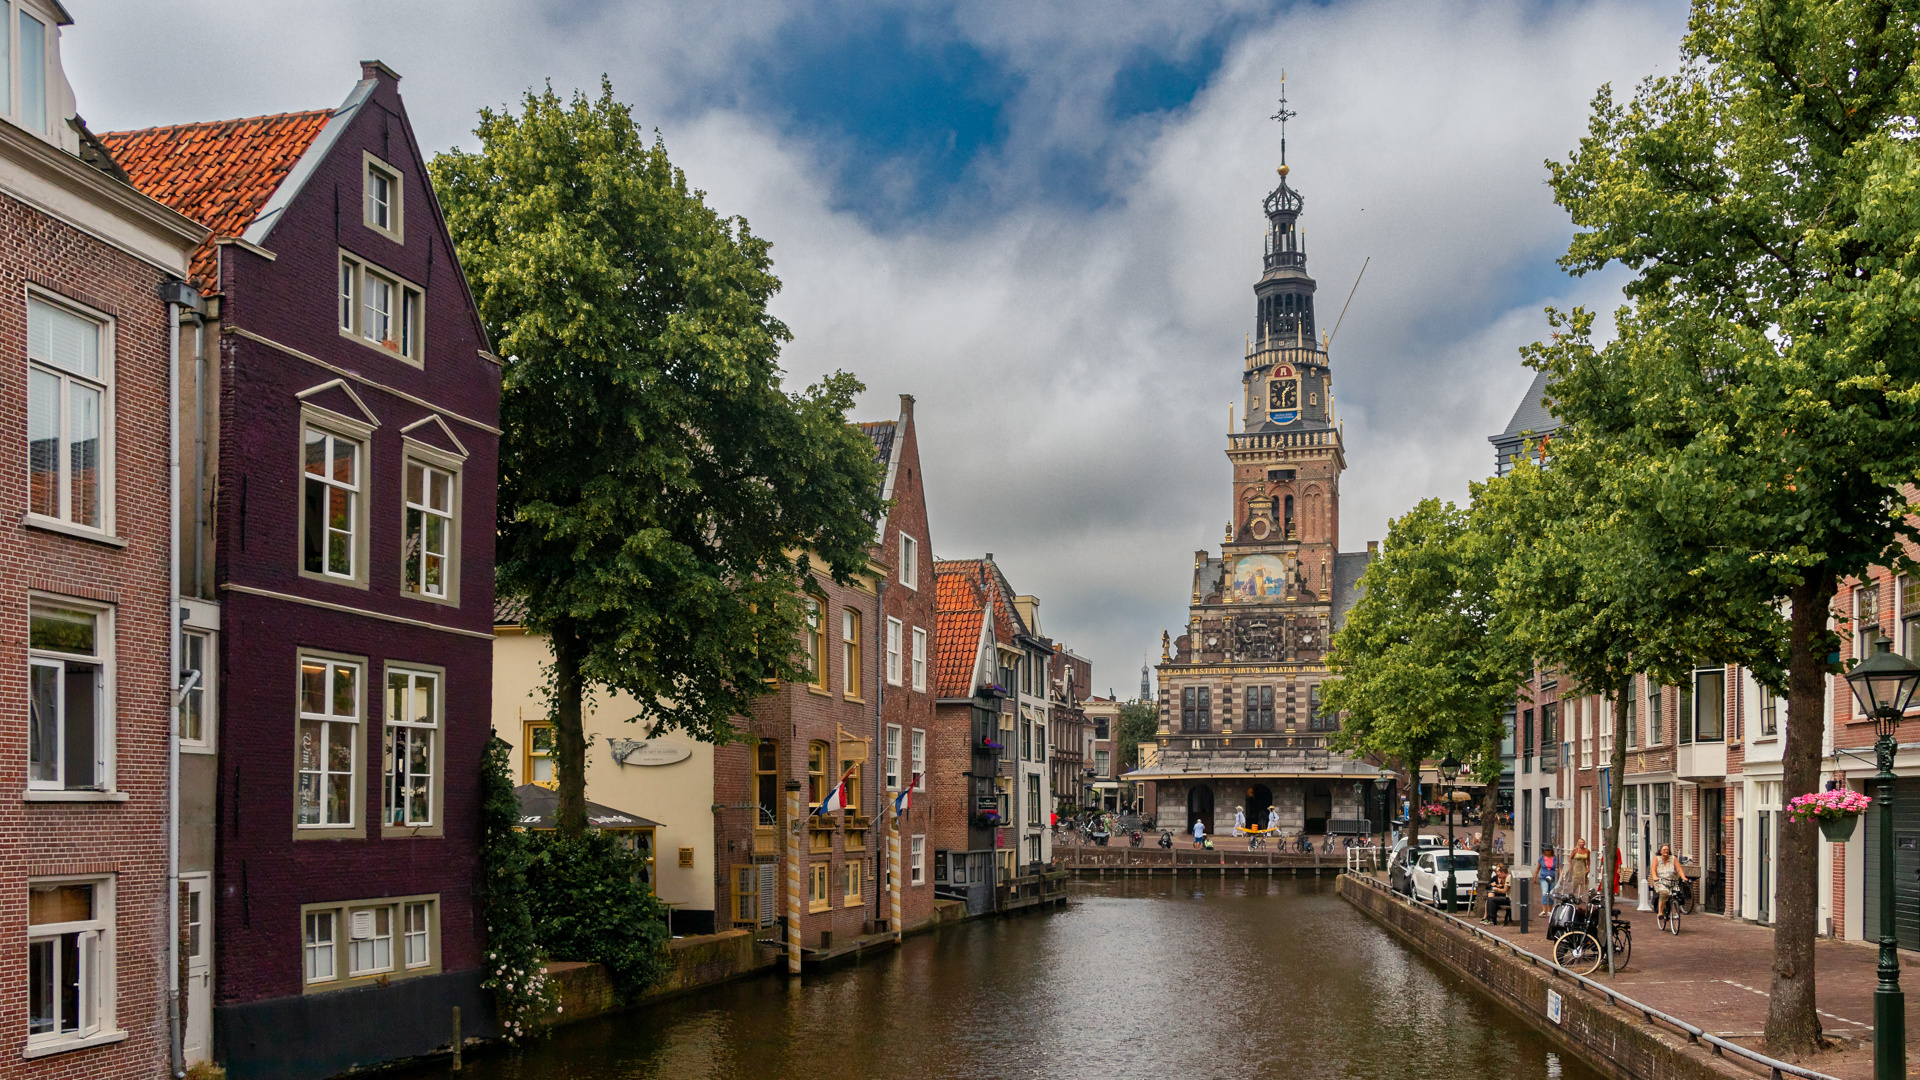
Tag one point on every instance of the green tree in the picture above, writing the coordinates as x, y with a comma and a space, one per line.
1760, 398
662, 498
1424, 665
1138, 721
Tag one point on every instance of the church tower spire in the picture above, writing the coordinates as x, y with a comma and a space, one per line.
1286, 365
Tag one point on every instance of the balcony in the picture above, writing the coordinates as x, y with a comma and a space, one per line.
1701, 761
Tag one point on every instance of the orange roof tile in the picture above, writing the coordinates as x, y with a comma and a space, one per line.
218, 173
959, 604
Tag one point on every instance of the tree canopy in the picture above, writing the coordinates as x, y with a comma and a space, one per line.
662, 496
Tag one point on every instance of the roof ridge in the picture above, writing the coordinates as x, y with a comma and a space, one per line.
300, 114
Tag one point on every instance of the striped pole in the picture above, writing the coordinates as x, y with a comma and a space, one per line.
794, 909
893, 877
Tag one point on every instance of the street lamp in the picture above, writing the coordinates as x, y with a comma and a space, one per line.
1884, 683
1451, 771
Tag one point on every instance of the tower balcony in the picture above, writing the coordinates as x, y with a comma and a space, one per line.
1282, 440
1277, 260
1269, 351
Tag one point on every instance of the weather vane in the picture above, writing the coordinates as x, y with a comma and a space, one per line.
1283, 115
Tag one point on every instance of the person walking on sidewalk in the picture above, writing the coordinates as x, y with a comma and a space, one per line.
1549, 871
1579, 869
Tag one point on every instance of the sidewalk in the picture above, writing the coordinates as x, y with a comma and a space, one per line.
1715, 974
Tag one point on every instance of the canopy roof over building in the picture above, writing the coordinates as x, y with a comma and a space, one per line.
540, 809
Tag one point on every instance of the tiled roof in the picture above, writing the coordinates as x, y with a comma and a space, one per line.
987, 579
882, 433
1532, 415
218, 173
958, 603
509, 611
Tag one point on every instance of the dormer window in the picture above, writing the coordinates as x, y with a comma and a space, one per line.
383, 203
381, 310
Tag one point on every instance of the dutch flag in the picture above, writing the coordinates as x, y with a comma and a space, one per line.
836, 799
904, 801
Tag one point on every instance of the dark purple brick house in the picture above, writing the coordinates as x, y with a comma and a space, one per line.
339, 425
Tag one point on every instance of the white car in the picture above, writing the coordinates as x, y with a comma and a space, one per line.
1430, 872
1400, 861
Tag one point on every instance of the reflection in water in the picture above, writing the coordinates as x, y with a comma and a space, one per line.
1243, 978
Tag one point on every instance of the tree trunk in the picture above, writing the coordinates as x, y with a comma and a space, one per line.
1489, 815
1793, 1027
569, 740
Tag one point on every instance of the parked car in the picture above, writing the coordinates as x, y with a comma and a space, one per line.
1430, 871
1400, 860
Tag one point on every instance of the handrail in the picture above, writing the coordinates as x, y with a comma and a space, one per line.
1615, 997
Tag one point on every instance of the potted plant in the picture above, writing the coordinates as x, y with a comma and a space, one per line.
1838, 812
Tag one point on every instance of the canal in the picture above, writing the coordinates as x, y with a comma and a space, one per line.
1138, 978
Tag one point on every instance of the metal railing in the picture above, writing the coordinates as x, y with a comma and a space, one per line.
1617, 999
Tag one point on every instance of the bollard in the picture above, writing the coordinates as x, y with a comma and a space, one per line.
1526, 903
456, 1038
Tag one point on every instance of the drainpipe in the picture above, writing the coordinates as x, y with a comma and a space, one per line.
180, 298
880, 738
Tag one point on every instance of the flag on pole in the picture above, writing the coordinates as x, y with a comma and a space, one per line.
836, 799
904, 801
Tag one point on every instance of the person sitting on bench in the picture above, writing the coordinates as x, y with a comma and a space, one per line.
1498, 901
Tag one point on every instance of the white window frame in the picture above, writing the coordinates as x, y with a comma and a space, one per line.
894, 628
67, 380
919, 759
332, 433
405, 312
429, 467
201, 700
909, 562
97, 973
352, 960
365, 939
1102, 762
917, 860
395, 227
890, 773
920, 659
420, 936
413, 730
14, 78
315, 947
56, 660
350, 725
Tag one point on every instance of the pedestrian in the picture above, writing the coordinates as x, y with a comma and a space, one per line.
1199, 832
1549, 871
1273, 819
1240, 822
1579, 868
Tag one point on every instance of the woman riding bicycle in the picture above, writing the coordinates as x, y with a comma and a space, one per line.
1668, 873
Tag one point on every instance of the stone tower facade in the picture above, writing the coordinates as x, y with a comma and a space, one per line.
1240, 722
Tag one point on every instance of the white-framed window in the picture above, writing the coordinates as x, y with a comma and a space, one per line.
383, 199
25, 98
68, 729
69, 960
428, 553
412, 746
894, 627
357, 942
850, 652
331, 504
909, 561
919, 759
1909, 617
380, 310
196, 662
917, 861
419, 937
1866, 621
919, 659
69, 377
329, 757
369, 941
892, 771
319, 946
1101, 760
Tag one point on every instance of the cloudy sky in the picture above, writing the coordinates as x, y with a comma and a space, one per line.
1040, 219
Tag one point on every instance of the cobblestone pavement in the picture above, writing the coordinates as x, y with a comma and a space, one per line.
1716, 972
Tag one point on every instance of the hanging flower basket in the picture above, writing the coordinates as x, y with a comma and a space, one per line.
1838, 812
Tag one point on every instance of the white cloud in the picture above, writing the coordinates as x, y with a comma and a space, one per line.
1073, 367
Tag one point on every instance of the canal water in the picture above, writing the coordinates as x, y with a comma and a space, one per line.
1137, 978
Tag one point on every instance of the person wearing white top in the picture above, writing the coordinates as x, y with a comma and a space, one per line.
1199, 831
1273, 819
1240, 822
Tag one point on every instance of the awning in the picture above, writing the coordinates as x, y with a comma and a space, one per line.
1107, 785
540, 809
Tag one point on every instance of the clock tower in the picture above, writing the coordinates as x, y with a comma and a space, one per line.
1241, 726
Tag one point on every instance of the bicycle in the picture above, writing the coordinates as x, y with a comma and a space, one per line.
1327, 848
1672, 905
1303, 844
1578, 948
1255, 843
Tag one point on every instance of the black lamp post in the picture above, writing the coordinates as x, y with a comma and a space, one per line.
1884, 683
1450, 769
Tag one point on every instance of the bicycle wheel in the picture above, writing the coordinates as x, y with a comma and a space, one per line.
1578, 952
1673, 919
1622, 947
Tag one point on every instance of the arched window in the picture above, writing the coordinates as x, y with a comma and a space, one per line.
817, 778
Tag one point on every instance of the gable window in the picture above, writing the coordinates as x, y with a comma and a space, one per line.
67, 381
919, 659
428, 554
909, 561
381, 310
413, 728
331, 507
67, 736
383, 188
328, 756
893, 651
69, 960
850, 652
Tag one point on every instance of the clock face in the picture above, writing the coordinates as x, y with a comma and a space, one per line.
1283, 396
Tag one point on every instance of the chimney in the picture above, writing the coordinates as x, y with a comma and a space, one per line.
374, 69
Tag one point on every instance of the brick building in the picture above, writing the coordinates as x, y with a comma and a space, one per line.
1103, 722
337, 521
91, 272
1070, 755
1240, 721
